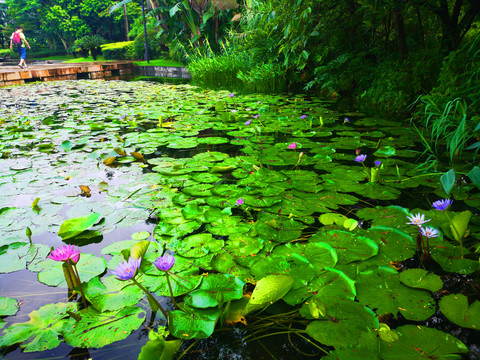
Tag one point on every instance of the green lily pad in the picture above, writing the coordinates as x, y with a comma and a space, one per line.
42, 331
381, 290
75, 226
214, 290
110, 294
457, 309
193, 323
50, 272
420, 342
421, 279
96, 329
344, 324
8, 306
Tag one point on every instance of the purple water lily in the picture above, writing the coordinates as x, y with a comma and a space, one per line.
231, 95
303, 117
417, 219
429, 232
442, 205
248, 122
360, 158
346, 120
239, 202
165, 262
256, 116
377, 163
127, 270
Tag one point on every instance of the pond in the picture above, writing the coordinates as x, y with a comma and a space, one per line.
288, 221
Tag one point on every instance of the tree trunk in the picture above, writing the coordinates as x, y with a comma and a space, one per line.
126, 22
420, 24
399, 27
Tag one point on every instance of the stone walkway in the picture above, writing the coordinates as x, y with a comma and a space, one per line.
14, 75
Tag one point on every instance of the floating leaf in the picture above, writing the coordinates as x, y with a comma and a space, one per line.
419, 342
457, 309
75, 226
421, 279
8, 306
42, 331
97, 329
268, 290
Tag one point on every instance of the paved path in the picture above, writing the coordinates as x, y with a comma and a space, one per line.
13, 74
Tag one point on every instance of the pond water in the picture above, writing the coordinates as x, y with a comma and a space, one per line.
252, 193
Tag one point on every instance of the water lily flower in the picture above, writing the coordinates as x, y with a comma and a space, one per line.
248, 122
429, 232
123, 117
292, 146
346, 120
239, 202
231, 95
377, 163
256, 116
417, 219
126, 270
65, 253
165, 262
303, 117
357, 152
233, 111
259, 102
360, 158
442, 205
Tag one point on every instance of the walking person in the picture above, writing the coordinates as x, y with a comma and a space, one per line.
18, 39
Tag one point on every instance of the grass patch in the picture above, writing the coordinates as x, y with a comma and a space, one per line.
160, 62
86, 59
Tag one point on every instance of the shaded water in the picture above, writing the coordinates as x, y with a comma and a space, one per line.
57, 136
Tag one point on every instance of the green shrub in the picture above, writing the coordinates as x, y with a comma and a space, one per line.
5, 52
219, 71
264, 78
155, 46
118, 51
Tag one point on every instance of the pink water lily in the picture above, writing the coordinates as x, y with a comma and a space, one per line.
65, 253
292, 146
239, 202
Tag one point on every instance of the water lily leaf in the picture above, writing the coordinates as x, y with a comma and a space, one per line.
159, 349
50, 272
385, 151
110, 294
349, 247
75, 226
421, 279
381, 290
42, 331
353, 353
109, 160
97, 329
193, 323
456, 308
343, 323
16, 256
419, 342
474, 175
182, 282
214, 290
199, 245
449, 257
8, 306
268, 290
448, 180
459, 224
